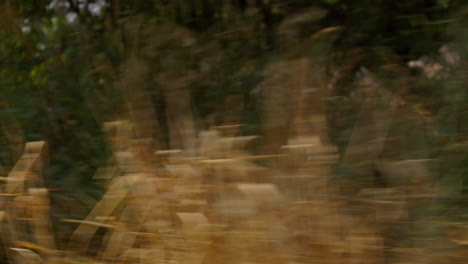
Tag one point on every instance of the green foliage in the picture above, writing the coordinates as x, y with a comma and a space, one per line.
60, 77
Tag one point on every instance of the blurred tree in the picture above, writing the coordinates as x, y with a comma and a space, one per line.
67, 66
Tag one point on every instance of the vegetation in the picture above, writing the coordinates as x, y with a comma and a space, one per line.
383, 81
